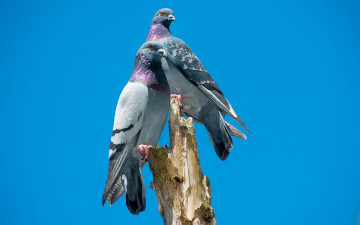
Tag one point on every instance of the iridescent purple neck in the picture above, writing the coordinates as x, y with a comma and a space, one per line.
151, 75
158, 32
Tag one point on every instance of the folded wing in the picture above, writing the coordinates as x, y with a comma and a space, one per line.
129, 119
186, 61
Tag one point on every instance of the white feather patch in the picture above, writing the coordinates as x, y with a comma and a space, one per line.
124, 179
130, 111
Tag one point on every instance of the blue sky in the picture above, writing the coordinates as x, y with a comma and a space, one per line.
290, 69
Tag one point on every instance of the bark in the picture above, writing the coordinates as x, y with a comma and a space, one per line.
183, 192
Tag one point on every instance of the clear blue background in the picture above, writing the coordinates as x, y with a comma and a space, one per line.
290, 69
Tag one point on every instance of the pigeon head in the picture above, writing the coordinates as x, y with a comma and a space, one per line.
164, 16
149, 55
148, 68
151, 52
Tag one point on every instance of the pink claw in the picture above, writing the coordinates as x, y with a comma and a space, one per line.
180, 99
144, 150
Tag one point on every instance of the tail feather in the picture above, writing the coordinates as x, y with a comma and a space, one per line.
233, 131
135, 189
219, 136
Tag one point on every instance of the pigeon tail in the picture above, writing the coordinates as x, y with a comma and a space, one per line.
135, 188
219, 136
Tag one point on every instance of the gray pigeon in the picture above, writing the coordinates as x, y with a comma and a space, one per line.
187, 77
140, 117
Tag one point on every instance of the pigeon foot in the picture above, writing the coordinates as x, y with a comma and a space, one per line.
144, 151
180, 99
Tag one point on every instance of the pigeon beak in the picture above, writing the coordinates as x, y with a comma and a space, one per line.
162, 51
172, 17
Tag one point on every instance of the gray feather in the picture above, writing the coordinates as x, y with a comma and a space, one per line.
192, 69
140, 117
234, 132
116, 166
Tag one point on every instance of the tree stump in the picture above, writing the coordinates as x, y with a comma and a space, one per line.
183, 192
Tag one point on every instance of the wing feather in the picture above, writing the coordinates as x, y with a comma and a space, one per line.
129, 119
186, 61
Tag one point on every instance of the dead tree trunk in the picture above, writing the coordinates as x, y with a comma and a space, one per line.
183, 192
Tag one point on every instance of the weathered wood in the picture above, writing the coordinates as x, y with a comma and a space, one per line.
183, 192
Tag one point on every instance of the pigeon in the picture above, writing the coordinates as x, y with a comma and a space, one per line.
140, 117
197, 92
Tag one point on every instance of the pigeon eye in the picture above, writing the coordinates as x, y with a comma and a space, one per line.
161, 13
151, 47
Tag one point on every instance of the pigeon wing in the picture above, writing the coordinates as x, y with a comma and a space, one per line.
129, 119
186, 61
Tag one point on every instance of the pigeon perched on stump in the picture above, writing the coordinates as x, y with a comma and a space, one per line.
140, 117
198, 94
